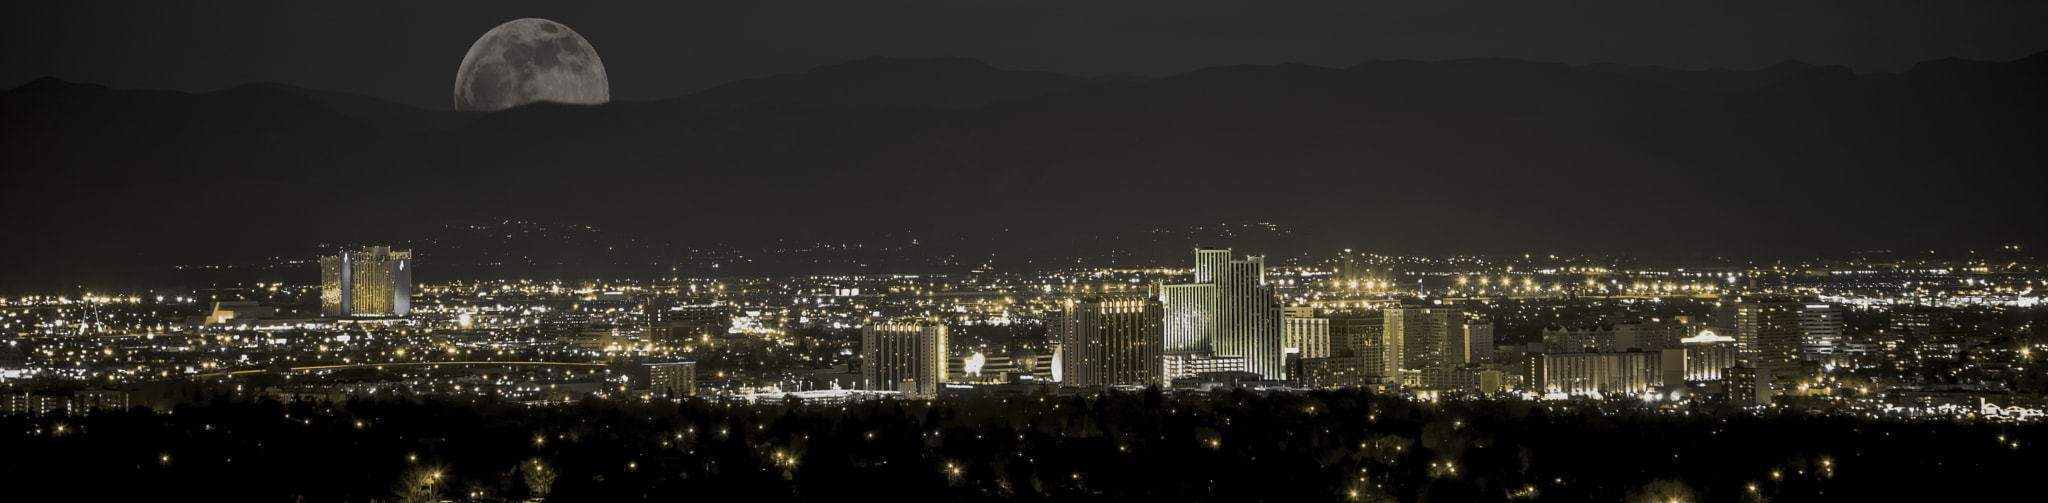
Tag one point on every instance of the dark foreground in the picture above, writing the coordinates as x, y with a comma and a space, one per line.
1123, 447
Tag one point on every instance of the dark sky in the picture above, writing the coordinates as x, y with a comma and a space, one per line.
408, 51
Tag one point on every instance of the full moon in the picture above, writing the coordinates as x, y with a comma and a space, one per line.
530, 60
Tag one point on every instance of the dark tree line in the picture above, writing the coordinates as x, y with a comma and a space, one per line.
1236, 446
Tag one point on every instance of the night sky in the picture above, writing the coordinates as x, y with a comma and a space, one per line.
408, 51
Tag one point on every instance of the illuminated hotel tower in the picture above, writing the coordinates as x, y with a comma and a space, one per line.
1111, 339
1229, 311
906, 356
372, 282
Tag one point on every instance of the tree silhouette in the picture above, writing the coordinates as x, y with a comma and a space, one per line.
419, 484
540, 477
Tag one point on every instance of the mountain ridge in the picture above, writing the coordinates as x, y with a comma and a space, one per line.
1412, 157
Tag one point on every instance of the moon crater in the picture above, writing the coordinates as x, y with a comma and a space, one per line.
529, 60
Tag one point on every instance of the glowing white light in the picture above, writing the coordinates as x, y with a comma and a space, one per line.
974, 364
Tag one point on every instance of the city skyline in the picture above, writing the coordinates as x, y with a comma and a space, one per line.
1206, 250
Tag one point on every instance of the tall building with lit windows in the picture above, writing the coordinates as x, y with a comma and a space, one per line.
1778, 332
1228, 311
1304, 334
906, 356
672, 380
374, 282
1470, 343
1111, 339
1426, 333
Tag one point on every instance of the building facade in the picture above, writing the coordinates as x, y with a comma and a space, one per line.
1112, 339
1187, 366
1228, 311
1351, 335
1344, 372
1703, 358
1425, 333
1470, 344
374, 282
1304, 334
1781, 332
672, 380
905, 356
1589, 339
1595, 374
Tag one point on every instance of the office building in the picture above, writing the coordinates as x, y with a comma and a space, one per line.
1425, 332
1748, 385
1780, 332
1368, 338
1924, 334
655, 310
1111, 339
905, 356
1350, 335
1469, 344
672, 380
374, 282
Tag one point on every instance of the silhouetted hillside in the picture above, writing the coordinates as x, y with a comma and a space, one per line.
877, 82
386, 116
1455, 156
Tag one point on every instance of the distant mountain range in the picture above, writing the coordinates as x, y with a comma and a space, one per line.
108, 185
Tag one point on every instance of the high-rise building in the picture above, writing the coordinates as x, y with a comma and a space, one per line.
1350, 334
1304, 334
1367, 338
1747, 385
374, 282
1111, 339
1924, 334
1780, 332
1469, 344
656, 309
1230, 311
1188, 307
1425, 332
672, 380
906, 356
